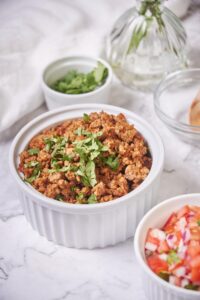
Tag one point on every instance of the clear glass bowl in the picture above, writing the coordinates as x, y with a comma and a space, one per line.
172, 100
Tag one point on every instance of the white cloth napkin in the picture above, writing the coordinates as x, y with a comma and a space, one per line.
29, 40
37, 32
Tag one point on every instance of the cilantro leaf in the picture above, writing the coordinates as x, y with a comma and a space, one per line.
63, 169
112, 162
90, 173
31, 164
33, 151
80, 196
92, 199
191, 286
86, 117
59, 197
198, 222
164, 275
75, 82
173, 258
99, 72
36, 172
67, 157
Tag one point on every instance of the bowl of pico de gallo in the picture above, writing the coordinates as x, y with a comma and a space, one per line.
167, 247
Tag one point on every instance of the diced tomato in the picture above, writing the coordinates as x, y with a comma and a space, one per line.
193, 222
176, 266
195, 233
178, 281
195, 262
181, 234
183, 211
175, 280
156, 264
151, 239
195, 274
178, 235
169, 225
195, 209
194, 248
163, 247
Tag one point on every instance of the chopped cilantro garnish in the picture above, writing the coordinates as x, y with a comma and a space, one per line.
92, 199
63, 169
198, 222
90, 173
31, 164
33, 151
59, 197
78, 83
55, 144
86, 117
35, 173
67, 157
73, 188
112, 162
48, 144
164, 275
100, 73
173, 258
90, 150
80, 196
191, 286
81, 131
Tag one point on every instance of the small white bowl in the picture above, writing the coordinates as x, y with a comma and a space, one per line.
59, 68
83, 225
156, 288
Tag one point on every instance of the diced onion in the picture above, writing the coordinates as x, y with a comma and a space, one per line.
163, 256
172, 280
171, 240
184, 282
150, 246
180, 272
159, 234
181, 224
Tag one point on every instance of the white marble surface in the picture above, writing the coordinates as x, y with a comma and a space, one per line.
30, 266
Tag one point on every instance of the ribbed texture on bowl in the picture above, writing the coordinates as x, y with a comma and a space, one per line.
90, 230
156, 288
87, 226
154, 291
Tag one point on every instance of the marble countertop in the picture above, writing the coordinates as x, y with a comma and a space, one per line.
32, 267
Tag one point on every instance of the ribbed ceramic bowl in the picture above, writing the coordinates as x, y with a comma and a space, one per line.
156, 288
59, 68
83, 225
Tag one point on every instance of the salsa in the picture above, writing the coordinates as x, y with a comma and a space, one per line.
173, 251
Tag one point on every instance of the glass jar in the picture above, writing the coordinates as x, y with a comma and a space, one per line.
146, 43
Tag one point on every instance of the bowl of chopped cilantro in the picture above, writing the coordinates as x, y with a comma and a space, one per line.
87, 173
76, 79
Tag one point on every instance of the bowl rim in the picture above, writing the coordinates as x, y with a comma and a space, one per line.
137, 249
74, 58
171, 122
85, 207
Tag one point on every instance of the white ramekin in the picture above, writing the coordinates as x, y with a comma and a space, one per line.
58, 68
83, 225
156, 288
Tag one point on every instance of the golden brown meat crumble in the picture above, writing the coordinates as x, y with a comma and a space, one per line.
96, 158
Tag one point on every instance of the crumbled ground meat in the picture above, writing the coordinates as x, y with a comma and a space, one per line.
97, 158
